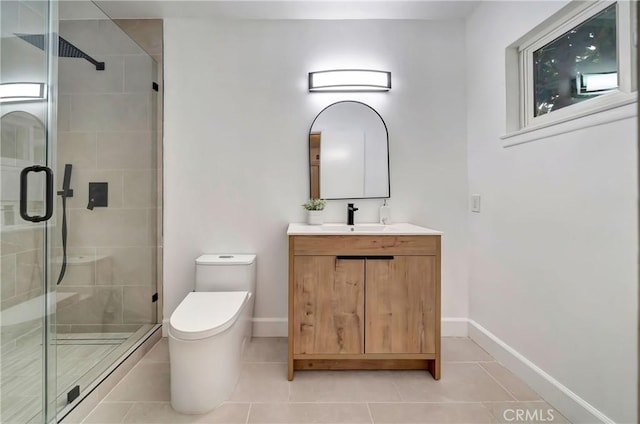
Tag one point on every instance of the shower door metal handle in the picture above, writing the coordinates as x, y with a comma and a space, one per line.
24, 191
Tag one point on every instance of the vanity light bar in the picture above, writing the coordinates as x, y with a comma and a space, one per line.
22, 91
350, 80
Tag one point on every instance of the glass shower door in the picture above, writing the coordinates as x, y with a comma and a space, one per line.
78, 292
26, 351
107, 146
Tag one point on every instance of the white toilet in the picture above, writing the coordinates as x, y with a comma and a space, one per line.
208, 331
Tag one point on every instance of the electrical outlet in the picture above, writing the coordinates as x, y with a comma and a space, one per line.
475, 203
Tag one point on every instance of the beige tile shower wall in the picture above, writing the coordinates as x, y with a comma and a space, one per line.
107, 131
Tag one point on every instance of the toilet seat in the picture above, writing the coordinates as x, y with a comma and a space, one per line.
204, 314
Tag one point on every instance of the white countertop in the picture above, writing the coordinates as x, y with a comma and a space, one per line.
401, 229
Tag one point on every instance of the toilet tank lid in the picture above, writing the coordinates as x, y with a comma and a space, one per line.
225, 259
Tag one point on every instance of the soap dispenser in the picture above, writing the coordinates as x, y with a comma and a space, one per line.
385, 213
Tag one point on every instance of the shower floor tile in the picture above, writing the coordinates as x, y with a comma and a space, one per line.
21, 377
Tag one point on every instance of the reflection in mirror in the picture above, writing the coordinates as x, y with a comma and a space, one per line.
22, 137
22, 143
349, 153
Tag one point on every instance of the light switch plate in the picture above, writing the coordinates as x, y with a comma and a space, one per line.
475, 203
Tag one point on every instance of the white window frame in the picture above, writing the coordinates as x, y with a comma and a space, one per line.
519, 74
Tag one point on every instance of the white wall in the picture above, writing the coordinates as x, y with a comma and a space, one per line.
236, 140
553, 269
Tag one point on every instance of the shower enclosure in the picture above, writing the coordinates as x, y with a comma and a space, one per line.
78, 290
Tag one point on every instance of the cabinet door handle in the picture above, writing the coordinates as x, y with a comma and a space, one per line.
369, 258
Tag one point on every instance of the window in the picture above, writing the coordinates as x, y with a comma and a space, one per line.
579, 62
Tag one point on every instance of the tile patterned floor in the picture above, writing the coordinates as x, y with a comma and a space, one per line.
21, 370
473, 389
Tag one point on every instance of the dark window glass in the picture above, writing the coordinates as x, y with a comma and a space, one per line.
578, 65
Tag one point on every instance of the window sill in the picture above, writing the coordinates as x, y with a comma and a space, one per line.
625, 107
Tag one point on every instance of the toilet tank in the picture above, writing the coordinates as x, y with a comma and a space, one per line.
226, 272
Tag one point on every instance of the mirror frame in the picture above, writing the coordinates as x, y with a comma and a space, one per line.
388, 153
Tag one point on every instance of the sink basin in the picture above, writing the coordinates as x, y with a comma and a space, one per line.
358, 228
395, 229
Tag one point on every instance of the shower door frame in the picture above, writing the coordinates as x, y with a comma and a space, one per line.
50, 354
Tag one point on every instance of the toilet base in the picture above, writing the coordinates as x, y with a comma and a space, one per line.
204, 372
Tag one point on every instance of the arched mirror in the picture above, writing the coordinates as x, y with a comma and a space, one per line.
22, 138
349, 153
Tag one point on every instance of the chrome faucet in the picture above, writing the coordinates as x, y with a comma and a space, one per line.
350, 210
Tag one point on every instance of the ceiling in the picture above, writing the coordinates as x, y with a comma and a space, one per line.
288, 9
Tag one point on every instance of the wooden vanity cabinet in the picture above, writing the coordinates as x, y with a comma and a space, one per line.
364, 302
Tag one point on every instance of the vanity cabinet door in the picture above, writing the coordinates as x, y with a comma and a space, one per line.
401, 305
328, 315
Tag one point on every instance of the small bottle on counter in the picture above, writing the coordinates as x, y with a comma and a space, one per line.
385, 213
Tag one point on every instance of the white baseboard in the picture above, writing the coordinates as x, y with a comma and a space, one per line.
270, 327
568, 403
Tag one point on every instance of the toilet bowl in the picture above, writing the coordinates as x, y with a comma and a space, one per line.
208, 331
